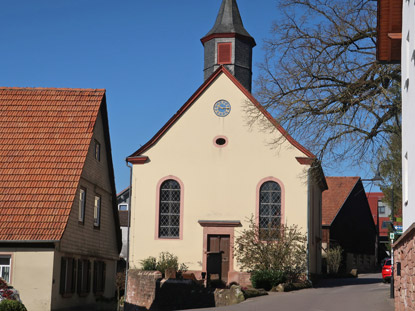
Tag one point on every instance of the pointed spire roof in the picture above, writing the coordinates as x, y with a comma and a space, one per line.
229, 21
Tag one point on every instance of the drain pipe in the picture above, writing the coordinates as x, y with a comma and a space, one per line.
127, 264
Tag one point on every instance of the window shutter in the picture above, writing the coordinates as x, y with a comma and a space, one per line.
225, 53
73, 271
88, 277
80, 272
63, 273
95, 278
103, 276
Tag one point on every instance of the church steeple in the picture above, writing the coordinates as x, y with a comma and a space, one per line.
229, 44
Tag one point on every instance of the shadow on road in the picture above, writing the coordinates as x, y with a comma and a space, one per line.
328, 283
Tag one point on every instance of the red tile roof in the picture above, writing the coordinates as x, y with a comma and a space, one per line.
335, 196
44, 138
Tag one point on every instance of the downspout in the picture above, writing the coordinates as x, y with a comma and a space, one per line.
127, 264
308, 223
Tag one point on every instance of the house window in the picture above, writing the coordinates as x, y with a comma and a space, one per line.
381, 210
99, 277
97, 151
82, 203
68, 276
225, 53
169, 209
84, 276
269, 205
385, 224
123, 207
97, 211
5, 266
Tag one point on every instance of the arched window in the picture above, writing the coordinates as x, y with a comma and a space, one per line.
169, 217
269, 205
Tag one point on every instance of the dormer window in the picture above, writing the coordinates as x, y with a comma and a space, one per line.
225, 53
97, 151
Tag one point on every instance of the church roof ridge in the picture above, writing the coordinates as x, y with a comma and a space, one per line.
229, 20
196, 95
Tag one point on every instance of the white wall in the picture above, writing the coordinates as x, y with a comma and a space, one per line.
408, 112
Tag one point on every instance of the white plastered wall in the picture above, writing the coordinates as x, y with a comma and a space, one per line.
32, 276
408, 112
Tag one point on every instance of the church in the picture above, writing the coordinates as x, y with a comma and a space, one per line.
211, 167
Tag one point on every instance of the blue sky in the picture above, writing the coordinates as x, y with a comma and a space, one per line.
146, 54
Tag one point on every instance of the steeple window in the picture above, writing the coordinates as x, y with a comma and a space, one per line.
225, 53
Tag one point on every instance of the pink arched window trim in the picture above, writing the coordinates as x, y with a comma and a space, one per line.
258, 189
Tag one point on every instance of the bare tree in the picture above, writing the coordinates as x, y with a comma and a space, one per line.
321, 81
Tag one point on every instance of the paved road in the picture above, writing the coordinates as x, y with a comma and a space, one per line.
365, 293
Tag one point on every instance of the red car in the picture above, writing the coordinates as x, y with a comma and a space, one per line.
387, 271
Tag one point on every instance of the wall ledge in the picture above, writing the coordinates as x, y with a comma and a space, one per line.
404, 235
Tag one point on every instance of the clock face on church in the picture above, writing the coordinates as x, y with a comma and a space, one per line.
222, 108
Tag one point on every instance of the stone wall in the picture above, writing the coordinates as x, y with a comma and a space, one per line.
141, 289
404, 255
148, 291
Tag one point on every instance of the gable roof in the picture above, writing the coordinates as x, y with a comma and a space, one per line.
45, 134
135, 157
339, 189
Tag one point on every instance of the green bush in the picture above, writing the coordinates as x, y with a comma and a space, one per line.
149, 264
334, 258
167, 261
12, 305
267, 279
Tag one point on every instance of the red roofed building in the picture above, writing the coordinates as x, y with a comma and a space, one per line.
380, 211
59, 227
347, 221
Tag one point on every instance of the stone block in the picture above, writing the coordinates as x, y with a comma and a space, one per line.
227, 297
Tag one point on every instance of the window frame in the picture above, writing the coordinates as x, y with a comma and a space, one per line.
67, 276
122, 204
158, 201
99, 277
258, 199
83, 277
97, 150
97, 210
10, 257
82, 205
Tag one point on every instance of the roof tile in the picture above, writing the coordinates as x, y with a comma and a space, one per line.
44, 138
335, 196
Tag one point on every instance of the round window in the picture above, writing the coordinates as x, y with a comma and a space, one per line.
220, 141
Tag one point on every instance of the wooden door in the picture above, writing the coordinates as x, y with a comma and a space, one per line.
221, 243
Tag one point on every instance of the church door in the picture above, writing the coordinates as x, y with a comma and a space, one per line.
221, 243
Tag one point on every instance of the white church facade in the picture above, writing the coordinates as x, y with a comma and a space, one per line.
197, 182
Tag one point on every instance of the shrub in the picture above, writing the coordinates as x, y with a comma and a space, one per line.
11, 305
334, 258
166, 261
149, 264
267, 279
280, 248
